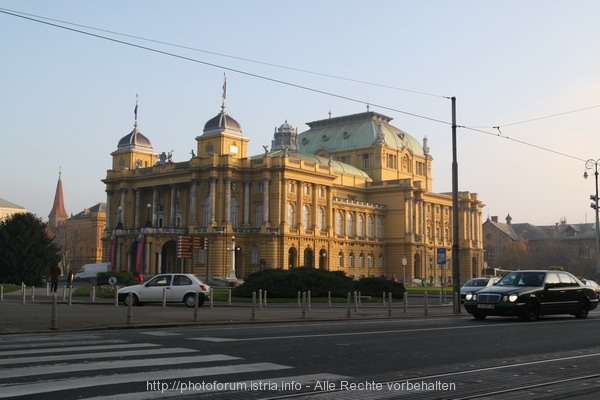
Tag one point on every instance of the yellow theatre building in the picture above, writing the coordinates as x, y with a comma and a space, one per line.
352, 193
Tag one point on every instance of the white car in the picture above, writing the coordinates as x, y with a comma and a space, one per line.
475, 285
176, 288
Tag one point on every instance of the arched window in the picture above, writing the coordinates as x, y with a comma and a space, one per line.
258, 215
349, 224
339, 223
255, 255
370, 224
178, 214
206, 216
291, 216
361, 260
351, 260
360, 226
234, 212
321, 219
341, 259
379, 228
306, 217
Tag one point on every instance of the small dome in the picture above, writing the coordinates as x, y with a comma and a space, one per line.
134, 140
221, 122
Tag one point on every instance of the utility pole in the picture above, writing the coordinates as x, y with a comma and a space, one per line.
455, 216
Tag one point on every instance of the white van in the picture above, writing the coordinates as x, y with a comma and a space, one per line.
91, 270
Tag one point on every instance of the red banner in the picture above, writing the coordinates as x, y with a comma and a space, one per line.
140, 255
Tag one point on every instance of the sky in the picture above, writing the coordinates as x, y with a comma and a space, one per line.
525, 75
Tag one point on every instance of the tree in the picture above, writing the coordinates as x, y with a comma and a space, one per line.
515, 255
26, 251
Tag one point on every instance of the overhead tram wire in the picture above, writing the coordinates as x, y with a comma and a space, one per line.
298, 86
19, 13
30, 18
501, 135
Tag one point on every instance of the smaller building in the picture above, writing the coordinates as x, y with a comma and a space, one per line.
7, 209
522, 245
83, 237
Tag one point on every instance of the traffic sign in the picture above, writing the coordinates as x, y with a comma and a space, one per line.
441, 256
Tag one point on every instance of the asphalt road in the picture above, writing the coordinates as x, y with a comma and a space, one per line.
422, 357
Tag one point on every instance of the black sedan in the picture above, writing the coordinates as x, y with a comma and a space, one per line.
531, 294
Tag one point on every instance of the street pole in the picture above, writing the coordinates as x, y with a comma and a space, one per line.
455, 214
589, 164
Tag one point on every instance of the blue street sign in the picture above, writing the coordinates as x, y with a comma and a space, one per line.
441, 256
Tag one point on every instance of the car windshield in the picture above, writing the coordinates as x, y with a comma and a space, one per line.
519, 278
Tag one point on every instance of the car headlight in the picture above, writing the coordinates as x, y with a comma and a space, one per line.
471, 296
513, 297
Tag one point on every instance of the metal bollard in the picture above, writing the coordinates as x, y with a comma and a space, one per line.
70, 294
329, 298
116, 298
355, 301
308, 298
129, 307
229, 296
253, 313
93, 293
64, 293
1, 293
260, 299
405, 296
303, 305
348, 306
23, 290
32, 293
54, 318
299, 303
389, 304
265, 300
196, 298
426, 304
164, 297
383, 298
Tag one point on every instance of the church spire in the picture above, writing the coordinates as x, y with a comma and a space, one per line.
58, 214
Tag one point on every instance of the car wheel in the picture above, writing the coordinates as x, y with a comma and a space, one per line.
584, 309
532, 311
134, 301
190, 300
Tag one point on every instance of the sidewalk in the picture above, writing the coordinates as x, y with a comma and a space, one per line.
82, 314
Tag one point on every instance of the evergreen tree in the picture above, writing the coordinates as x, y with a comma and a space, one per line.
26, 251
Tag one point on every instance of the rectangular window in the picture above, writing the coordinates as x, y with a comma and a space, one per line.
366, 161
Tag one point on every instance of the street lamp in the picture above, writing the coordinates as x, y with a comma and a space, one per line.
593, 164
232, 280
148, 223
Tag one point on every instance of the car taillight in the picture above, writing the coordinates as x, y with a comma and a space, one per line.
204, 288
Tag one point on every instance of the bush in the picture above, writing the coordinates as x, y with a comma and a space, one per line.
124, 278
377, 286
281, 283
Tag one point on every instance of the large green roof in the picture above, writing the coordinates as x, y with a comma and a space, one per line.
338, 167
355, 131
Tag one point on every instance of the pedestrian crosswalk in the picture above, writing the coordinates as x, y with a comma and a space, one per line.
98, 366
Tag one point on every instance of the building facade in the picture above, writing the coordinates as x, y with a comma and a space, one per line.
352, 193
7, 209
511, 246
83, 237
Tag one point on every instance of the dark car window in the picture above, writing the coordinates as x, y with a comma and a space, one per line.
531, 279
181, 280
